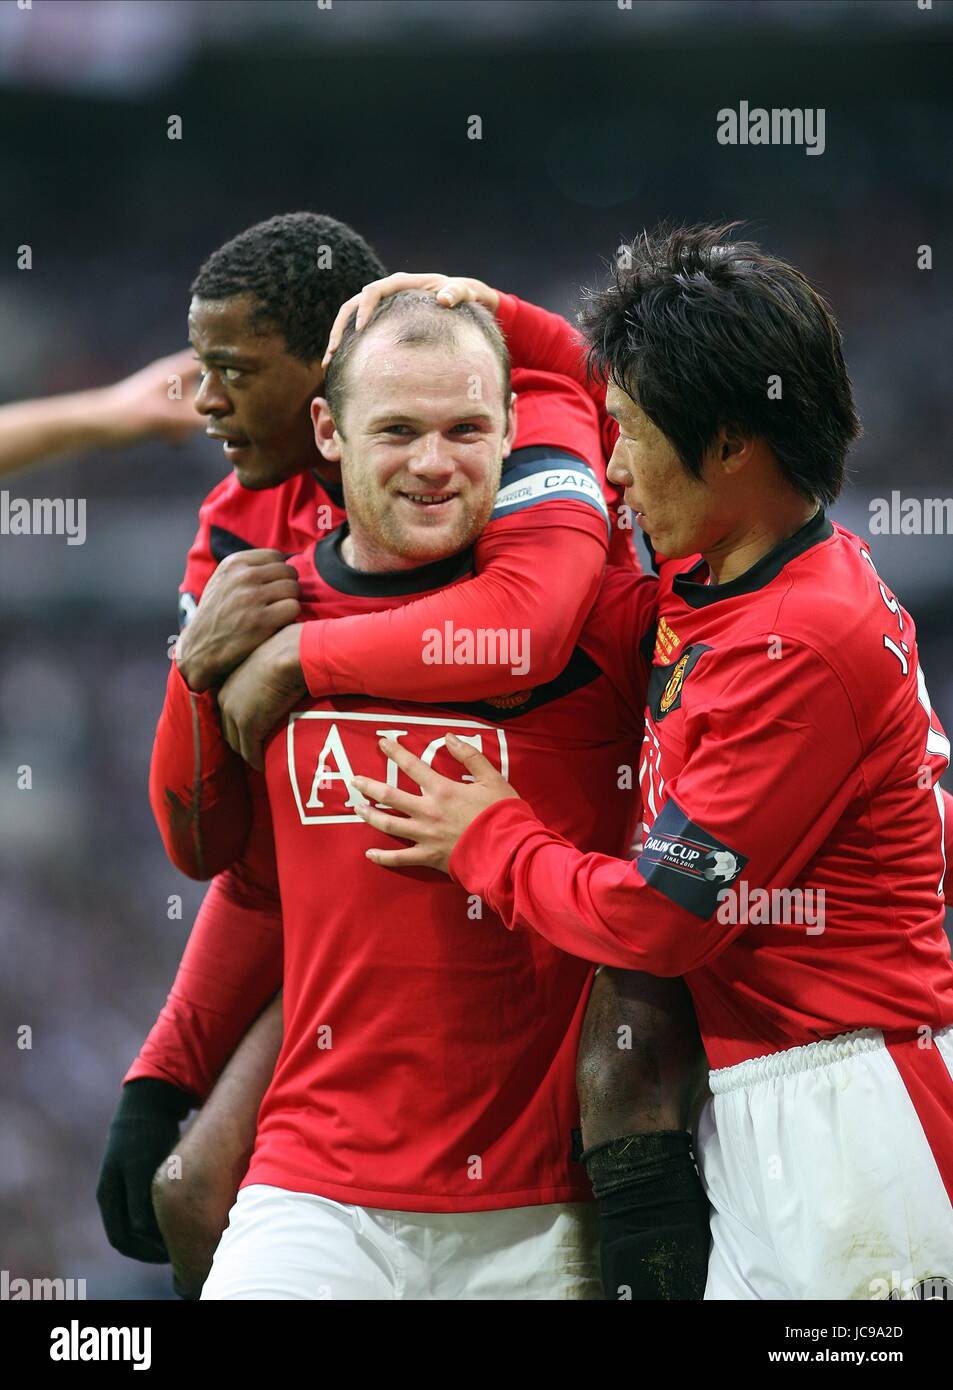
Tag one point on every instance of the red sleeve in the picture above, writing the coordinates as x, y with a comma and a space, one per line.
200, 561
230, 970
232, 964
539, 561
537, 338
647, 915
198, 788
619, 635
554, 409
520, 588
948, 847
192, 766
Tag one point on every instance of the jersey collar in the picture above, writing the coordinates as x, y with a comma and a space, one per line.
337, 574
335, 491
698, 595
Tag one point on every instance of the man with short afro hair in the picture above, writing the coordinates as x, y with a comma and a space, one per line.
276, 261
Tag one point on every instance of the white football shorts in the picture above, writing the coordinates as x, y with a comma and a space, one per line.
830, 1171
292, 1245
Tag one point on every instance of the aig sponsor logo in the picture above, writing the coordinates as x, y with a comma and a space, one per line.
327, 749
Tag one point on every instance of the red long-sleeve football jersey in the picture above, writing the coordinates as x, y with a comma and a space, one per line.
789, 744
429, 1057
549, 506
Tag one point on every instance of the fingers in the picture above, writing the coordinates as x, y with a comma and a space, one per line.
282, 575
462, 289
240, 738
457, 290
253, 576
387, 825
390, 796
363, 305
338, 326
413, 858
273, 591
262, 566
271, 560
479, 767
229, 728
253, 751
423, 775
188, 372
371, 295
281, 613
181, 364
230, 733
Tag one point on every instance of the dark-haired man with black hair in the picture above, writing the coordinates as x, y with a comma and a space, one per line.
260, 307
792, 865
273, 286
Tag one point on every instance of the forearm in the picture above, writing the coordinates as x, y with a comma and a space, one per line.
31, 431
546, 341
197, 786
230, 969
512, 627
590, 905
192, 1209
655, 914
538, 338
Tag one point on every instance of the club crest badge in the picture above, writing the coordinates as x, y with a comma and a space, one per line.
666, 683
674, 685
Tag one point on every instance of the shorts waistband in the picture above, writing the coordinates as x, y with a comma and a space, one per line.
795, 1059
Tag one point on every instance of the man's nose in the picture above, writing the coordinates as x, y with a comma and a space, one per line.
210, 398
617, 472
433, 457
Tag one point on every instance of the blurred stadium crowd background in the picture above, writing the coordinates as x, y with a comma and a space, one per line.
597, 120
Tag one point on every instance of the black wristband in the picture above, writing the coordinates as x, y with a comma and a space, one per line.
147, 1096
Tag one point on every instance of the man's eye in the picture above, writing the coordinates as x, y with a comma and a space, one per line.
231, 373
396, 429
468, 427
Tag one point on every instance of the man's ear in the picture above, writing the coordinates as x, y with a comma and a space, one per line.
511, 424
732, 450
326, 436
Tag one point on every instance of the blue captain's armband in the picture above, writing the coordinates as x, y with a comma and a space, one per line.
542, 474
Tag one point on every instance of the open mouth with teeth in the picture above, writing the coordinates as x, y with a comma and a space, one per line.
428, 499
231, 443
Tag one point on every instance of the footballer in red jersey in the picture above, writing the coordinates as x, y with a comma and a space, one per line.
793, 861
545, 340
415, 1139
613, 1102
548, 499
